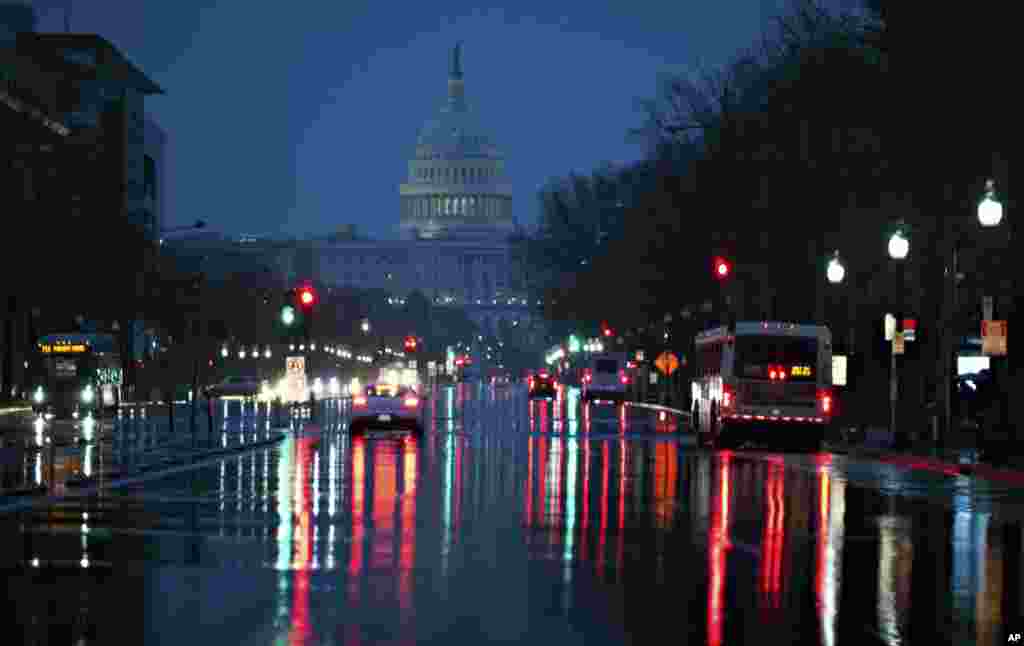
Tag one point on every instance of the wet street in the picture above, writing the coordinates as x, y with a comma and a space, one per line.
507, 521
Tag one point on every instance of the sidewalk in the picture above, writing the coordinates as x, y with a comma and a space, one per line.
1002, 461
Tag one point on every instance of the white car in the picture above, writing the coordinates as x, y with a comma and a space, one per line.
236, 387
605, 378
386, 406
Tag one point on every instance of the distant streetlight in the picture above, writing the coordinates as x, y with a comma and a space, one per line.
224, 352
365, 326
899, 246
836, 271
990, 210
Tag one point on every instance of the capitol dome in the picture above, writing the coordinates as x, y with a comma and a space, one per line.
456, 184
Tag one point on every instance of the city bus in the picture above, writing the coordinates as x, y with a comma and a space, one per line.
762, 380
76, 375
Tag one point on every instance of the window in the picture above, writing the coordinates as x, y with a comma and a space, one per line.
754, 354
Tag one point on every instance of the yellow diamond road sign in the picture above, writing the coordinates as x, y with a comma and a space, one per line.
667, 363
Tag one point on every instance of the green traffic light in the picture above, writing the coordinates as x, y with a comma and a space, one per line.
288, 315
574, 343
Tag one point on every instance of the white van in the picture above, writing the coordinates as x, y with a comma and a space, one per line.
605, 377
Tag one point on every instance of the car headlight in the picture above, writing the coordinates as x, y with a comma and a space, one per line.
38, 396
87, 394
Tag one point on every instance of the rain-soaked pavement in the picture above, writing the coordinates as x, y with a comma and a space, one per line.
506, 522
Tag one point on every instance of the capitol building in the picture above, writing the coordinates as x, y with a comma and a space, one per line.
455, 221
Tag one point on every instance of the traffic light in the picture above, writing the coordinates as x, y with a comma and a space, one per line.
606, 330
722, 268
307, 298
411, 344
288, 315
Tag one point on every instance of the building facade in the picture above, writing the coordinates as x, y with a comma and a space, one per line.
455, 217
456, 186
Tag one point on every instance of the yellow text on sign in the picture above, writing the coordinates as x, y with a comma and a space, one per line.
63, 349
801, 371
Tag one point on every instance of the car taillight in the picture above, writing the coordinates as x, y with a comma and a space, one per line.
359, 401
728, 396
825, 397
531, 382
412, 402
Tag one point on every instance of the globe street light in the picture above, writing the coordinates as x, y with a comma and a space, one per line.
990, 210
899, 246
836, 271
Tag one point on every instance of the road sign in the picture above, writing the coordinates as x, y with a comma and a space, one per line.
993, 338
909, 329
838, 369
898, 343
295, 379
667, 363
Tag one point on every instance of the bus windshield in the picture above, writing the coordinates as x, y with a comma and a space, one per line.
759, 356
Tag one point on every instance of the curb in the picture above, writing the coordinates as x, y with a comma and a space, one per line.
667, 409
1012, 477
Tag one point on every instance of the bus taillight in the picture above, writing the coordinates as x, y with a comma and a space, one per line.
728, 396
825, 397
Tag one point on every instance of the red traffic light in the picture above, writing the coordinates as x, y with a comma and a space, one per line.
410, 343
306, 296
722, 268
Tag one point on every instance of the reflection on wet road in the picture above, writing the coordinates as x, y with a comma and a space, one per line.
518, 522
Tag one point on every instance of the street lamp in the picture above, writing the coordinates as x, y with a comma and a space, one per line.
365, 326
224, 352
835, 271
899, 246
990, 210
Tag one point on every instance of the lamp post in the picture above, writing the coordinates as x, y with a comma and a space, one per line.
989, 211
898, 249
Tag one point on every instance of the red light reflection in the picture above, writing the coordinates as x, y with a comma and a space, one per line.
585, 521
774, 537
821, 571
301, 630
528, 513
622, 510
542, 482
665, 474
718, 540
407, 549
604, 512
385, 483
355, 564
